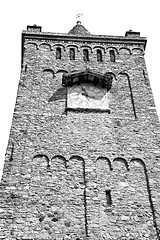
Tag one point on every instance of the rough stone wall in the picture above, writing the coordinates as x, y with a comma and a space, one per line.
60, 164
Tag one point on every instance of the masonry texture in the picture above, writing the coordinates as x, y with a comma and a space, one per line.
82, 173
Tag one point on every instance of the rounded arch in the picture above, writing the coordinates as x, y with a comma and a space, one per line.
88, 47
113, 48
77, 157
59, 45
128, 50
73, 46
139, 160
64, 160
107, 160
138, 51
123, 160
41, 155
48, 70
112, 74
61, 71
99, 47
45, 45
124, 74
32, 44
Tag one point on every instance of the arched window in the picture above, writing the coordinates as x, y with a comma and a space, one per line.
112, 55
72, 54
99, 55
85, 55
58, 53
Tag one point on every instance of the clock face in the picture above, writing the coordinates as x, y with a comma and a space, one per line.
87, 96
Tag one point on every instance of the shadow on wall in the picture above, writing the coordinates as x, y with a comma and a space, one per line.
58, 95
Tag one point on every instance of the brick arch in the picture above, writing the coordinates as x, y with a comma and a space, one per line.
88, 47
113, 48
124, 74
127, 50
49, 70
31, 44
112, 74
138, 51
73, 46
59, 45
61, 71
106, 160
41, 155
122, 160
139, 160
64, 160
100, 47
47, 45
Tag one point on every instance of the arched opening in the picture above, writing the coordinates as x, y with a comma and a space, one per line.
99, 55
85, 55
58, 53
72, 54
112, 55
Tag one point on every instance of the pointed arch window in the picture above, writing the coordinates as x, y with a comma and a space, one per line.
85, 55
112, 56
58, 53
72, 54
99, 55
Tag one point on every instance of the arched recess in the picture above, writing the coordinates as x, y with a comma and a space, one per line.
61, 71
125, 51
112, 74
122, 161
48, 70
112, 48
101, 182
142, 198
59, 45
87, 47
125, 95
45, 46
105, 159
137, 51
138, 160
100, 47
61, 158
73, 46
44, 156
77, 206
31, 45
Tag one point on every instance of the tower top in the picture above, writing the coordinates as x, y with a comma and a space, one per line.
79, 29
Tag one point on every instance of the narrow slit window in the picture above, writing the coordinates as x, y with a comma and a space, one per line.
85, 55
99, 55
72, 54
112, 55
58, 53
108, 197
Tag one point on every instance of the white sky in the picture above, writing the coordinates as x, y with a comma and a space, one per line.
104, 17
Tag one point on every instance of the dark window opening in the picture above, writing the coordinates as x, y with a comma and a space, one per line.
58, 53
99, 56
85, 55
72, 54
108, 197
112, 55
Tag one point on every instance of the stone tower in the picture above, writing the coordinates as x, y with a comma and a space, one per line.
83, 157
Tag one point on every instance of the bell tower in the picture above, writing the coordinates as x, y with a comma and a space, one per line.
83, 156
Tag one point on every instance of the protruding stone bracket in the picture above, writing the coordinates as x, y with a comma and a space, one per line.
88, 76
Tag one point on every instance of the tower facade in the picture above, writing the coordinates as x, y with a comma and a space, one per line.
82, 161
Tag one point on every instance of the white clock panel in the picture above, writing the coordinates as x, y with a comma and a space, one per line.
87, 96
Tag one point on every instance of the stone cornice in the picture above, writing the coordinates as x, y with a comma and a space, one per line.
92, 38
